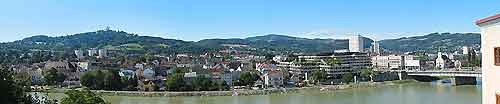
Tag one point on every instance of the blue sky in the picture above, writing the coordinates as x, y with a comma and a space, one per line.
201, 19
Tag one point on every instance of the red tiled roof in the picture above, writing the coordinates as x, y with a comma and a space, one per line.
488, 19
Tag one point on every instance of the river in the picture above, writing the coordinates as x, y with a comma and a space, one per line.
415, 93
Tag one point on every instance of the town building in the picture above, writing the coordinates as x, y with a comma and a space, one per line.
443, 61
92, 52
395, 62
79, 54
103, 53
273, 78
465, 50
490, 48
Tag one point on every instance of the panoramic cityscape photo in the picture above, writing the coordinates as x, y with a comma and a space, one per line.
249, 52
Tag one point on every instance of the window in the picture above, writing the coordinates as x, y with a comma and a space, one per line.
498, 98
497, 56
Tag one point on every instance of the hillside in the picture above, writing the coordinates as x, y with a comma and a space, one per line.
433, 42
119, 40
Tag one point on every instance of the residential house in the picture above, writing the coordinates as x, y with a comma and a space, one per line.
273, 78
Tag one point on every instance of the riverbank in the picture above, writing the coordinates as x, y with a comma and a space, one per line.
241, 92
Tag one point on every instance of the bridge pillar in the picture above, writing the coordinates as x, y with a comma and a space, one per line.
463, 81
402, 75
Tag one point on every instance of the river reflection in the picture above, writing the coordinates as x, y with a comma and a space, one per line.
418, 93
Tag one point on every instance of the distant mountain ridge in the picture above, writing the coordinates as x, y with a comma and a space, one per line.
433, 42
120, 40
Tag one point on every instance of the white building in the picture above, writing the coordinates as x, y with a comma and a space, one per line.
79, 54
103, 53
376, 47
280, 58
356, 44
395, 62
465, 50
343, 63
440, 61
490, 48
273, 78
412, 64
92, 52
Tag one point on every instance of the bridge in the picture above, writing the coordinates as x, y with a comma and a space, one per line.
445, 73
457, 77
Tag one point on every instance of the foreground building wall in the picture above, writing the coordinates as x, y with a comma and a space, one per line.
490, 39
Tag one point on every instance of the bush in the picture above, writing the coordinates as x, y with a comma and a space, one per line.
82, 97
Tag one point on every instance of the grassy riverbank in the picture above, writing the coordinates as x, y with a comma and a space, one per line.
243, 92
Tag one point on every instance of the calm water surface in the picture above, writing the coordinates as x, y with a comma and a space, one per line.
419, 93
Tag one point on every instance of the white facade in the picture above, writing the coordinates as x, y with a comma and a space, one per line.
490, 33
273, 78
280, 58
103, 53
376, 47
465, 50
395, 62
412, 64
92, 52
79, 54
356, 44
440, 62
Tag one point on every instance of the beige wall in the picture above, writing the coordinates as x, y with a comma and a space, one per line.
490, 38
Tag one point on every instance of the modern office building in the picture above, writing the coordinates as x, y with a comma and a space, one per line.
335, 64
356, 44
490, 48
376, 47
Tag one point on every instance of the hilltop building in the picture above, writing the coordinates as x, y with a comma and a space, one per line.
490, 48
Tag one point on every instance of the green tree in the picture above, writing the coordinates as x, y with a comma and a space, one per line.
12, 91
248, 78
347, 78
103, 80
88, 79
82, 97
53, 77
332, 61
129, 84
112, 80
367, 73
175, 82
201, 83
319, 75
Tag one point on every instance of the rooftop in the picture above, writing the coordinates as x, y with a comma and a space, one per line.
484, 20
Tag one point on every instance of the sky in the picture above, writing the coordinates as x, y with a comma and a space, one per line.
194, 20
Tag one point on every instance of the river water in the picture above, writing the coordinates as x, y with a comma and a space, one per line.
415, 93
